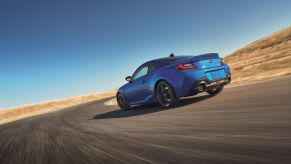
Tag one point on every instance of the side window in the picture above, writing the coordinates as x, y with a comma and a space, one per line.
141, 72
152, 67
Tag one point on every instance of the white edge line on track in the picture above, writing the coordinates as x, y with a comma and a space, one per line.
255, 82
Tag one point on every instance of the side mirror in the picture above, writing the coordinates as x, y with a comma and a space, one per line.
129, 79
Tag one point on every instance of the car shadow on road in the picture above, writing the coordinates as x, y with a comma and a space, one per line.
146, 109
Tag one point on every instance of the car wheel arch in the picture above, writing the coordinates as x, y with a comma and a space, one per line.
127, 104
160, 80
122, 94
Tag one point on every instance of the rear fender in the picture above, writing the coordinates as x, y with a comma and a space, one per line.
173, 77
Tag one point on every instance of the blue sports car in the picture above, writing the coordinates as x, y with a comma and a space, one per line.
165, 80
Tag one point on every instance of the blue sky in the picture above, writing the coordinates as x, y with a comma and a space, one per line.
58, 48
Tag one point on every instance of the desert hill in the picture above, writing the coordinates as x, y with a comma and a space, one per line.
265, 58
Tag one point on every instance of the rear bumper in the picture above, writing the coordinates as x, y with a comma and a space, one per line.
204, 84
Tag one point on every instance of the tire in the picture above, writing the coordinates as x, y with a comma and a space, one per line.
216, 90
166, 95
122, 102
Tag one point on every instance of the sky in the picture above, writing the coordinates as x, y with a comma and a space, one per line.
52, 49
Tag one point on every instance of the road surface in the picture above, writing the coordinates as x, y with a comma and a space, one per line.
244, 124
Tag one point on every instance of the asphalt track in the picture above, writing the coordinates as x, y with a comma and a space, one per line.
244, 124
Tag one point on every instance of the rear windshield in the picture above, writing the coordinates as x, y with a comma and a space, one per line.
176, 58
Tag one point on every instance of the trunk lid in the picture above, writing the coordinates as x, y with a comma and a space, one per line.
204, 61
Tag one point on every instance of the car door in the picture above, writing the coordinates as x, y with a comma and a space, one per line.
138, 90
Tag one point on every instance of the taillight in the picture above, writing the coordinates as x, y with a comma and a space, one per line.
186, 66
221, 61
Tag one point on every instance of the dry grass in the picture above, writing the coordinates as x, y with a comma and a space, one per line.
265, 58
11, 114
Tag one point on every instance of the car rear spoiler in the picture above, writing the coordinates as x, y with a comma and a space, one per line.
200, 57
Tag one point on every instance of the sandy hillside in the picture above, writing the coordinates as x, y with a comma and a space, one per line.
265, 58
11, 114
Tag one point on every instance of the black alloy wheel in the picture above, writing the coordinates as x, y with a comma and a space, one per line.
215, 90
121, 102
166, 95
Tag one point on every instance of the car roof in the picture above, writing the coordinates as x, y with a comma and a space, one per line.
169, 59
174, 58
166, 60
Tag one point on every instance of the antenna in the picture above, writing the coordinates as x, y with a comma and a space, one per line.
172, 55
